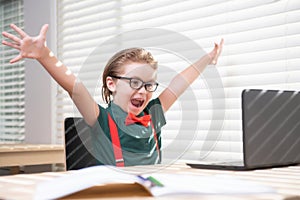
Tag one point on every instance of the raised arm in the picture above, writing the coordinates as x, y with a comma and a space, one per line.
184, 79
36, 48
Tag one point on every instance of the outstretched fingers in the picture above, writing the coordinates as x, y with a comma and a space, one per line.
15, 40
10, 44
18, 30
29, 47
16, 59
44, 30
216, 52
220, 47
12, 37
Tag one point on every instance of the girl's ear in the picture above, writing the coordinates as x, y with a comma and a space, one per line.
111, 85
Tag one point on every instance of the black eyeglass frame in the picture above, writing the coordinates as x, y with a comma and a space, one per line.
145, 84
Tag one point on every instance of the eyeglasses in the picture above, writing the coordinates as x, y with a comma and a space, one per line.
137, 84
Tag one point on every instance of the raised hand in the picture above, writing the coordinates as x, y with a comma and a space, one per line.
29, 47
215, 53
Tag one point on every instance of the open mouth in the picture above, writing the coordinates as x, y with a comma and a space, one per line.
137, 102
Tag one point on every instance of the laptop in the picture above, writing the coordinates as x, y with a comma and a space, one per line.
271, 131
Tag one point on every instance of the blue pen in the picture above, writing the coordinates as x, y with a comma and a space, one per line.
142, 178
147, 183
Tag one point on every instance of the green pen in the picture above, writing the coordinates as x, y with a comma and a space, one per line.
155, 181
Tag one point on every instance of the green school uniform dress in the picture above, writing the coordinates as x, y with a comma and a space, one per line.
137, 141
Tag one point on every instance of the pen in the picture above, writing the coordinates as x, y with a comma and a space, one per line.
155, 181
150, 181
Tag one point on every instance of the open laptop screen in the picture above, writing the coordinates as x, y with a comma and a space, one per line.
271, 127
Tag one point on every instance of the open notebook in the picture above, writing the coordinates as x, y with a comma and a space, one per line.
81, 184
271, 131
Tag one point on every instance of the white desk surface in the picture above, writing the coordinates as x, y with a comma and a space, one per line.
286, 182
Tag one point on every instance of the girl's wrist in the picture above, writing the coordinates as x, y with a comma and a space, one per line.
45, 54
211, 59
208, 58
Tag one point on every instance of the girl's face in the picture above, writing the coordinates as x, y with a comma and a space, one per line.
129, 99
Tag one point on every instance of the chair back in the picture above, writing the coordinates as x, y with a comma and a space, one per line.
78, 146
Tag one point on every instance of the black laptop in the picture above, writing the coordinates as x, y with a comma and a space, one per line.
271, 131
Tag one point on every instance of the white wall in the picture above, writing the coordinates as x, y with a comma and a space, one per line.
40, 89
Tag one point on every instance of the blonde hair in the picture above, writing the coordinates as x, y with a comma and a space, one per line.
126, 56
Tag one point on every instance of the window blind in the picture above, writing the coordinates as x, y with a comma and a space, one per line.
261, 45
12, 81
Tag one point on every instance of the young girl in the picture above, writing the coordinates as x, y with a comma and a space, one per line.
128, 131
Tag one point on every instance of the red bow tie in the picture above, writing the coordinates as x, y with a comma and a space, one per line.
132, 119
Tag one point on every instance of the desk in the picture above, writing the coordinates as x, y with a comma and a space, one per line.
12, 155
286, 181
